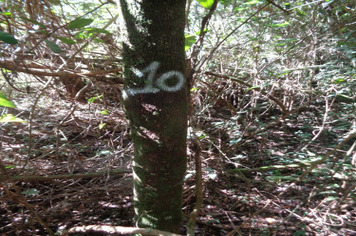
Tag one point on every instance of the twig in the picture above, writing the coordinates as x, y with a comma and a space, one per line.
198, 45
199, 188
32, 114
327, 109
278, 6
228, 36
108, 229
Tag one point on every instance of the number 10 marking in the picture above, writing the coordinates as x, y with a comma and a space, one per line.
161, 82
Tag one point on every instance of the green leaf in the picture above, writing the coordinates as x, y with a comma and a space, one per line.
277, 178
54, 47
337, 81
206, 3
7, 38
252, 2
10, 118
55, 2
80, 23
280, 25
6, 102
66, 40
92, 99
45, 32
300, 12
251, 89
9, 14
102, 125
34, 22
344, 99
189, 41
9, 167
104, 112
97, 30
30, 192
240, 8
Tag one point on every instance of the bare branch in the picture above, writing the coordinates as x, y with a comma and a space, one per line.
108, 229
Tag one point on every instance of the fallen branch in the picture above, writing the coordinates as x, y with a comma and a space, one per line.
275, 167
28, 178
108, 229
34, 69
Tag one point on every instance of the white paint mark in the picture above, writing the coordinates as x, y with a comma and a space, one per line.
161, 83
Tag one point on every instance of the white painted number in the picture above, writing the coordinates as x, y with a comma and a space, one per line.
161, 83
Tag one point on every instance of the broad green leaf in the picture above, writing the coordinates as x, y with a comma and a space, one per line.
92, 99
252, 2
80, 23
6, 70
66, 40
280, 25
6, 102
206, 3
10, 118
34, 22
9, 14
198, 32
7, 38
54, 47
337, 81
189, 41
240, 8
104, 112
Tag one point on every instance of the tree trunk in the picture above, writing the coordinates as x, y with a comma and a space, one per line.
155, 102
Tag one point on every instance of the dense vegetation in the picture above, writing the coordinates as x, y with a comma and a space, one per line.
272, 118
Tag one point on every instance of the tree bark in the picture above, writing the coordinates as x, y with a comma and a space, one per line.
155, 102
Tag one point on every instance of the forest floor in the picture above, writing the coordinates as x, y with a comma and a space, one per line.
83, 153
